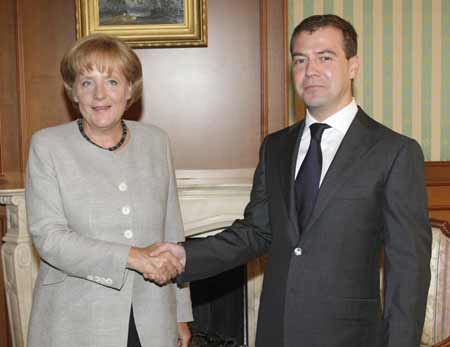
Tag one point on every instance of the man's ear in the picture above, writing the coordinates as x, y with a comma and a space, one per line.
353, 67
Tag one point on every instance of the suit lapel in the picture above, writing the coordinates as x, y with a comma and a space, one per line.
357, 141
288, 162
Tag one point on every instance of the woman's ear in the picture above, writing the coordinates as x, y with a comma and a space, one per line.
129, 91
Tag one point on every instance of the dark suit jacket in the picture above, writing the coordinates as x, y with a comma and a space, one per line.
327, 293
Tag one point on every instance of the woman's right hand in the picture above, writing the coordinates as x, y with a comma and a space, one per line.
160, 269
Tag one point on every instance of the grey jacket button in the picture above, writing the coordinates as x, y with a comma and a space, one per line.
128, 234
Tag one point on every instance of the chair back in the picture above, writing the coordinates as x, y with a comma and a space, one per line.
436, 330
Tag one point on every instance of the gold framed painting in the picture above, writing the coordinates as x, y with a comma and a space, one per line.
145, 23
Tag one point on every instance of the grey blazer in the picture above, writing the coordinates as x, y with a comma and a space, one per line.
86, 207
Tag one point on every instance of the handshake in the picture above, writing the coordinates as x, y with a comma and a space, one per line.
159, 262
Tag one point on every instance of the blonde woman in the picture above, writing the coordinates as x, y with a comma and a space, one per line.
100, 190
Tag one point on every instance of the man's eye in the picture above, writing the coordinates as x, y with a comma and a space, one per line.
299, 61
326, 58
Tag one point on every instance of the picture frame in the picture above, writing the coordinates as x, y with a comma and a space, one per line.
145, 23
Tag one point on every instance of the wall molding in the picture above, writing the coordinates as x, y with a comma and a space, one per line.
437, 175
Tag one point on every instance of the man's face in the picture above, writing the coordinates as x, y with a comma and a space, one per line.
322, 74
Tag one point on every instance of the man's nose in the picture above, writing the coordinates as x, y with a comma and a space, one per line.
312, 68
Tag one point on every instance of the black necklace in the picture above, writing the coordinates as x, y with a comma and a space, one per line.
113, 148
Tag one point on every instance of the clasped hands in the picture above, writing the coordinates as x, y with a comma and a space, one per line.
159, 262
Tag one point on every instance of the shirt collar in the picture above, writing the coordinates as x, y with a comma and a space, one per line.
340, 121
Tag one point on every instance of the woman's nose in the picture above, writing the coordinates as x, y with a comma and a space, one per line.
99, 92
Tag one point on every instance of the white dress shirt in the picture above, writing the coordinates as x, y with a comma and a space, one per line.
331, 138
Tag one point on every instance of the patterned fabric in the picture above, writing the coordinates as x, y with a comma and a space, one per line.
437, 317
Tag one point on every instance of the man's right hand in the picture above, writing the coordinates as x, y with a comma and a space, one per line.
175, 249
160, 267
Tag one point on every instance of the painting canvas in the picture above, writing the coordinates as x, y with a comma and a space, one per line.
141, 12
145, 23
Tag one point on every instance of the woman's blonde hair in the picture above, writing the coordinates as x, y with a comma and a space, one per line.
104, 53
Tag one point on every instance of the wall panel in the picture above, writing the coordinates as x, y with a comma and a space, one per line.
10, 165
46, 30
208, 99
438, 187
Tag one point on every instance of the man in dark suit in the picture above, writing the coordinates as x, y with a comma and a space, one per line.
322, 282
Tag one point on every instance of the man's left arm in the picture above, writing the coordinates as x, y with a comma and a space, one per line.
407, 239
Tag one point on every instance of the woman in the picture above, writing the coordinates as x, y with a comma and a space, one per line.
99, 191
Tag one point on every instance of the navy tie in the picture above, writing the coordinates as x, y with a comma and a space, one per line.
308, 177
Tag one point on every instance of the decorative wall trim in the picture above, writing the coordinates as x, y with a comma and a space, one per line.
21, 87
437, 173
264, 68
287, 70
438, 186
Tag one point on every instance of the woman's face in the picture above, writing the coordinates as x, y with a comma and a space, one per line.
102, 97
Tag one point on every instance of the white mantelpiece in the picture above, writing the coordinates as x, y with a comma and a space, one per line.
20, 264
209, 199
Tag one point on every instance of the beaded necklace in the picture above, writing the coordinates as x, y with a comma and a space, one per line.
113, 148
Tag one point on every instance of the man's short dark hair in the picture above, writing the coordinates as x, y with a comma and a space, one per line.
313, 23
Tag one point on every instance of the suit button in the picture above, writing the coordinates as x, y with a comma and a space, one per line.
123, 187
126, 210
298, 251
128, 234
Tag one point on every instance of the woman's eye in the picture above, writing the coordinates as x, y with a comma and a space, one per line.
85, 83
113, 82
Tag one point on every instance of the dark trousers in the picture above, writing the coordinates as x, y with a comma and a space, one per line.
133, 337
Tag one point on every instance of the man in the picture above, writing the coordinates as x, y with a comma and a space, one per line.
322, 283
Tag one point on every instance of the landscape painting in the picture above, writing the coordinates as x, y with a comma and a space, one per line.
145, 23
139, 12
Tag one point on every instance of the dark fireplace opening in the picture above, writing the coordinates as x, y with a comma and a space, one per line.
220, 310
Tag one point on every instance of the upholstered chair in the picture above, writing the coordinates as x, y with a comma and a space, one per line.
436, 330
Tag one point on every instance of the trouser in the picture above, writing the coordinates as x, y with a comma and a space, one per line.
133, 337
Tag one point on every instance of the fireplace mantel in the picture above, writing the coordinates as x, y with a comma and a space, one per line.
210, 200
